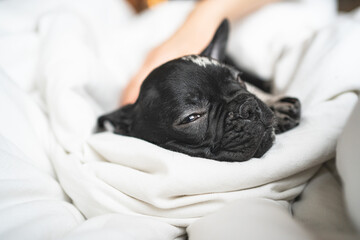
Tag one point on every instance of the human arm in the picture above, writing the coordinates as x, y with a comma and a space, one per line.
191, 37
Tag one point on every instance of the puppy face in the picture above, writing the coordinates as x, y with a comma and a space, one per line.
198, 106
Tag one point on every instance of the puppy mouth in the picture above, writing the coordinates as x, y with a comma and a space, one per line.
268, 139
242, 135
247, 132
251, 141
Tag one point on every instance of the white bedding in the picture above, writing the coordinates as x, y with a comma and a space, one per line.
70, 59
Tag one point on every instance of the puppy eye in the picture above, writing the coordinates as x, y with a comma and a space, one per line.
190, 118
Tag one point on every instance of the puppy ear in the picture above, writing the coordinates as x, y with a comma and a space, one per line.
216, 48
120, 119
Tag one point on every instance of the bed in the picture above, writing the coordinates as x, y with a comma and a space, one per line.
64, 63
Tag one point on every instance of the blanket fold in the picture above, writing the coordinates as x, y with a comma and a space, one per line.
123, 174
85, 61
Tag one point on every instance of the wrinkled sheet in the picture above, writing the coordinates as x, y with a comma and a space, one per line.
79, 55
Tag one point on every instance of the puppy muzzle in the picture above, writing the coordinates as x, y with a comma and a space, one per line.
248, 127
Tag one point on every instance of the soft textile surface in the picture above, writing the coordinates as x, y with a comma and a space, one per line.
33, 205
81, 53
348, 153
253, 212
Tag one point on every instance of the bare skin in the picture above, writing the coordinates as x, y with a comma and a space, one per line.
195, 33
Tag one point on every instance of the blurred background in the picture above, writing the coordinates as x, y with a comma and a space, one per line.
141, 5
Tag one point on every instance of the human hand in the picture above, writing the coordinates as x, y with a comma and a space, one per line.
180, 44
190, 38
155, 58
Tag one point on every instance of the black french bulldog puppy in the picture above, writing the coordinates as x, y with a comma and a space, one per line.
200, 106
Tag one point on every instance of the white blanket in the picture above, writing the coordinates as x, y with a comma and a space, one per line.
81, 55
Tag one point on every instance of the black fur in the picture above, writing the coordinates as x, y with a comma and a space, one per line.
200, 106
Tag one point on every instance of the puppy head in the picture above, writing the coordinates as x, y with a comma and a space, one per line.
199, 106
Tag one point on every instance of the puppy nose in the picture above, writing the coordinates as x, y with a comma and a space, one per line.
249, 109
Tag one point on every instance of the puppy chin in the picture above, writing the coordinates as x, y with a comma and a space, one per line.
243, 149
266, 142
